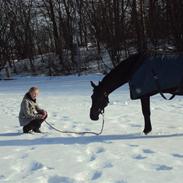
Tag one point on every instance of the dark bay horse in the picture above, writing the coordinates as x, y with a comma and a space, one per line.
118, 77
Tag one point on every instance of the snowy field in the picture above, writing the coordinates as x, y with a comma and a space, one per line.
122, 154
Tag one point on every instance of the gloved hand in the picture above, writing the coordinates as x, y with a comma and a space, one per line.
44, 114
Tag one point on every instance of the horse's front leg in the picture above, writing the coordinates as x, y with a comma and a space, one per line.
145, 103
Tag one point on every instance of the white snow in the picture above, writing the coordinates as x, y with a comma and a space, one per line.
122, 154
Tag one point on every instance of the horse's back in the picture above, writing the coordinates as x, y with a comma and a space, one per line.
163, 70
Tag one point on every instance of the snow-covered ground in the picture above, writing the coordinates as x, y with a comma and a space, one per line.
122, 154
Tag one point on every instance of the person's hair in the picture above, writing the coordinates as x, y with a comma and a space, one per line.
34, 88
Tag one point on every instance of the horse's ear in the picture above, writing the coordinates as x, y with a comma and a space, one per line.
93, 84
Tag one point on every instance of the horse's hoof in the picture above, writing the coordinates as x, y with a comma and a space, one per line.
146, 131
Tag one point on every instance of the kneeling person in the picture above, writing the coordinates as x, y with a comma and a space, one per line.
31, 116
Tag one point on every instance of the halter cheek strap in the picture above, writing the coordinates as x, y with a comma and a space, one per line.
105, 94
102, 111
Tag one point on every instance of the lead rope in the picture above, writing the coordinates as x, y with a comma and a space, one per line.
79, 133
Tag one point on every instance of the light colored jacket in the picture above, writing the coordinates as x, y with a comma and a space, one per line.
29, 110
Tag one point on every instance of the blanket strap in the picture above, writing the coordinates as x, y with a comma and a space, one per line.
155, 76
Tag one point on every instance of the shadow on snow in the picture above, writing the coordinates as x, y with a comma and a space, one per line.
79, 139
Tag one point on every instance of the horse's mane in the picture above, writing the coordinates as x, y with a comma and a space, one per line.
122, 73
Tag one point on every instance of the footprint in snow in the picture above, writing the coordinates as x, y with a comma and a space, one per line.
148, 151
2, 177
163, 168
133, 145
108, 142
108, 165
73, 126
178, 155
100, 150
58, 179
135, 125
35, 166
87, 129
32, 148
65, 118
139, 157
172, 127
96, 175
93, 157
23, 156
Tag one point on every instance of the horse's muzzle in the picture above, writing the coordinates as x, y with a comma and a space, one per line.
94, 115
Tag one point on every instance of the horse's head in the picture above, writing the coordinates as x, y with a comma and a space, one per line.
99, 101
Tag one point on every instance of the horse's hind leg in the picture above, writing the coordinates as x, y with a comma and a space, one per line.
145, 103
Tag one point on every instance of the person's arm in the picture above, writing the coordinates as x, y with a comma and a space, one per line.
27, 111
39, 110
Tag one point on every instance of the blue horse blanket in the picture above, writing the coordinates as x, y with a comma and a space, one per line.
167, 70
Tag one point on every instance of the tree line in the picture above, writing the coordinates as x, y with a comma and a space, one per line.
37, 27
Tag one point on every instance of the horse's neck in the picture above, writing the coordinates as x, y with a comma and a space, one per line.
114, 80
120, 74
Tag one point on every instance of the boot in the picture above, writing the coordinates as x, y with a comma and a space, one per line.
26, 129
37, 130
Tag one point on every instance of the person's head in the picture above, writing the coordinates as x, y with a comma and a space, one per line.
34, 92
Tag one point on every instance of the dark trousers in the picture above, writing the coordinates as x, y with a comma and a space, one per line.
34, 124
